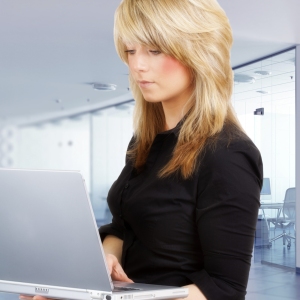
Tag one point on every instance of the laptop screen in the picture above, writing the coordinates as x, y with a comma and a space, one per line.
47, 231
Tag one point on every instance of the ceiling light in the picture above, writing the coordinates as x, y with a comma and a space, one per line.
243, 78
104, 86
263, 72
263, 92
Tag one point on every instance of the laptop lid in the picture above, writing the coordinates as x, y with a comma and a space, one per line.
41, 211
50, 244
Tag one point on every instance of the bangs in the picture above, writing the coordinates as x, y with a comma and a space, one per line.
134, 26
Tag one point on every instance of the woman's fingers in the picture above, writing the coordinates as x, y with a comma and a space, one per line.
111, 261
23, 297
115, 269
119, 274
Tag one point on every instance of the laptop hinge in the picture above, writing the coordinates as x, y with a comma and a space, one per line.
100, 295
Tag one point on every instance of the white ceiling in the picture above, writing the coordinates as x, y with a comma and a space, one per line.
51, 50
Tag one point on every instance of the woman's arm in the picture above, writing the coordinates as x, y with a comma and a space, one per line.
226, 215
194, 293
112, 247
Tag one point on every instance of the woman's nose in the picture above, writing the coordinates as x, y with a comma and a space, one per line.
140, 63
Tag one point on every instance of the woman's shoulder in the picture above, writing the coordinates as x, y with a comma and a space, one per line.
229, 142
231, 137
231, 156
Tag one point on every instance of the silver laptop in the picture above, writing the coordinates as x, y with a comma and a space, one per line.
49, 241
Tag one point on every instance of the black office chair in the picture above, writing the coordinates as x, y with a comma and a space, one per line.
286, 217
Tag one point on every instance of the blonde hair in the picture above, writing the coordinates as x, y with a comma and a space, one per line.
198, 34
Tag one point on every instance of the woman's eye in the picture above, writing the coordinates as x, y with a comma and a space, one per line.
130, 51
155, 52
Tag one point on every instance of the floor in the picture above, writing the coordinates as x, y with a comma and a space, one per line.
272, 273
267, 280
277, 254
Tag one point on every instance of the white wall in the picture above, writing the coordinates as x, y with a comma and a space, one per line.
63, 145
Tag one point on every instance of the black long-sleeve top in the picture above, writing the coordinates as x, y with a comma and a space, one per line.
200, 230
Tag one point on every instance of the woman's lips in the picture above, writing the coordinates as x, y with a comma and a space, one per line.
145, 84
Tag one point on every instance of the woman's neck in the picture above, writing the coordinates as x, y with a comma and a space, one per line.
173, 114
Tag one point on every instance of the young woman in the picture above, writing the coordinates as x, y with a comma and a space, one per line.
185, 205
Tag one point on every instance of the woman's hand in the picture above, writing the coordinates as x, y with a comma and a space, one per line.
112, 247
23, 297
115, 269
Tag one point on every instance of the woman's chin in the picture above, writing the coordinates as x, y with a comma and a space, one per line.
151, 100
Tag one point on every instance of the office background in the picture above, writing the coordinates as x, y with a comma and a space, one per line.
65, 103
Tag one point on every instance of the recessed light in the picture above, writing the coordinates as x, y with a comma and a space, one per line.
104, 86
263, 72
243, 78
263, 92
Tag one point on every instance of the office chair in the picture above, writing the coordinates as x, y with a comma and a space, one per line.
286, 217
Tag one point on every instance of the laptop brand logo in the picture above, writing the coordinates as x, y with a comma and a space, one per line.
41, 290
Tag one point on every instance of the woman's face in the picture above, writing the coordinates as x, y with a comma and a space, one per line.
160, 77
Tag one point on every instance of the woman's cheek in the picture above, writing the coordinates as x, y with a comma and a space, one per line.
171, 65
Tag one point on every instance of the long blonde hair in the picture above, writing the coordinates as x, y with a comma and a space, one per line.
198, 34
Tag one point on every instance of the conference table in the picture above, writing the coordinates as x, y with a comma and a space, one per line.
265, 205
277, 205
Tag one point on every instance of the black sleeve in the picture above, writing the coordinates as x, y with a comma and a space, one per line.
114, 228
227, 206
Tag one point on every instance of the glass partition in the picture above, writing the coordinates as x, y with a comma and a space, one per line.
264, 100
